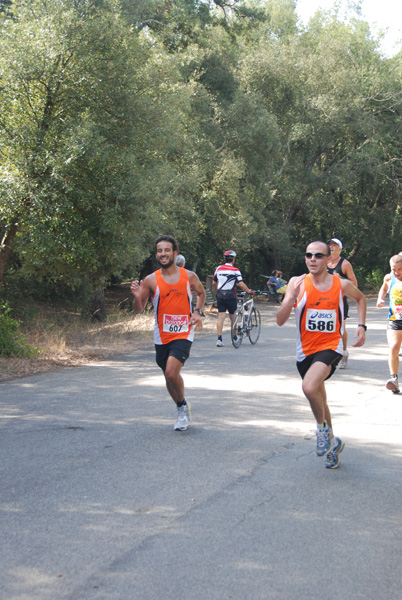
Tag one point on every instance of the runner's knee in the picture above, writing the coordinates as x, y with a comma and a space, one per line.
172, 374
395, 346
308, 388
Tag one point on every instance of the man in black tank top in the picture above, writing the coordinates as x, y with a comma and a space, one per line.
337, 265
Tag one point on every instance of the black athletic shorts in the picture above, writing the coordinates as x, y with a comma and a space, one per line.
345, 307
180, 349
328, 357
226, 304
395, 325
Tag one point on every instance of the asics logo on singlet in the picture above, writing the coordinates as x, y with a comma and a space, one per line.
320, 315
321, 299
171, 292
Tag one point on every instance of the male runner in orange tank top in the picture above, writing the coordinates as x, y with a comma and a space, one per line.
175, 321
318, 301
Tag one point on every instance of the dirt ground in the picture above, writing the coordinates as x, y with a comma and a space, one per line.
102, 340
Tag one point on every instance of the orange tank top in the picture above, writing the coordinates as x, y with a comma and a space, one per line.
319, 319
172, 309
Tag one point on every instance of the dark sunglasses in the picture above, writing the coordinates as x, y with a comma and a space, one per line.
316, 254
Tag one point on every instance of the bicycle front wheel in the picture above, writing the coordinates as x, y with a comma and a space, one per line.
237, 329
254, 325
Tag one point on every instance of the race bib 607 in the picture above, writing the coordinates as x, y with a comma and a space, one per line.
175, 323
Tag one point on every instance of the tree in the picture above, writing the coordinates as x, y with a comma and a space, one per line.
91, 116
321, 86
222, 123
56, 114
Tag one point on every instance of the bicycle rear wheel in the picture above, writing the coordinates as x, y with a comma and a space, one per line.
237, 329
254, 325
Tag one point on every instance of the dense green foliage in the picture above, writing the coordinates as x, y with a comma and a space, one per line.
225, 123
12, 341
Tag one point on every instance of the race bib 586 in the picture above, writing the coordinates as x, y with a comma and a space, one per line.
320, 320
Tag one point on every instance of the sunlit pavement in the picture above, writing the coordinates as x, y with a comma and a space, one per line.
101, 499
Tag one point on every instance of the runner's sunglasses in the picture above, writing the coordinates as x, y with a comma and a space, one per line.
316, 254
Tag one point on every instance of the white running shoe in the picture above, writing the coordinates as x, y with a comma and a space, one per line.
332, 460
183, 417
393, 385
344, 360
219, 343
323, 439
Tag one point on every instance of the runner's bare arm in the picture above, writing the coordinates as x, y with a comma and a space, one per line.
384, 289
244, 287
292, 295
350, 274
141, 291
350, 290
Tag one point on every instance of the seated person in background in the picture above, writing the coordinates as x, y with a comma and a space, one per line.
280, 279
277, 284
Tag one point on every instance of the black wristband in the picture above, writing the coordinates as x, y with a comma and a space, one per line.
361, 325
199, 311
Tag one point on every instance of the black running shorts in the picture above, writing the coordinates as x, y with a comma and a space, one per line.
345, 308
395, 325
180, 349
328, 357
226, 304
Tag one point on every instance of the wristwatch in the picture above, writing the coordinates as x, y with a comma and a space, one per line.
362, 325
199, 311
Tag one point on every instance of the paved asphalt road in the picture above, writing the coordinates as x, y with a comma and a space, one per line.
101, 500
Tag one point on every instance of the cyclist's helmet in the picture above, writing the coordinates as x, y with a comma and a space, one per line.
230, 253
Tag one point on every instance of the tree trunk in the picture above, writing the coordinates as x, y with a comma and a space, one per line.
269, 259
98, 306
5, 248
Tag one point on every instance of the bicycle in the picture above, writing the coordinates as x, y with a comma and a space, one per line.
246, 320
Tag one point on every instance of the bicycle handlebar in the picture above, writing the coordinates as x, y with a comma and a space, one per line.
253, 293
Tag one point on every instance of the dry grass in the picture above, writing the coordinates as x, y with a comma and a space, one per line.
63, 338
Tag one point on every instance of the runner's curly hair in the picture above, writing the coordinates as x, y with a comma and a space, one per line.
167, 238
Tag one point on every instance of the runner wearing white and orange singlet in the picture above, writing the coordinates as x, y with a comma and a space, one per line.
172, 309
175, 322
317, 299
319, 328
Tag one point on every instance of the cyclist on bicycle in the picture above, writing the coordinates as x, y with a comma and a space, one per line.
225, 281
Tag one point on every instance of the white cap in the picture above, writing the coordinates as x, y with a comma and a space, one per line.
336, 241
180, 260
